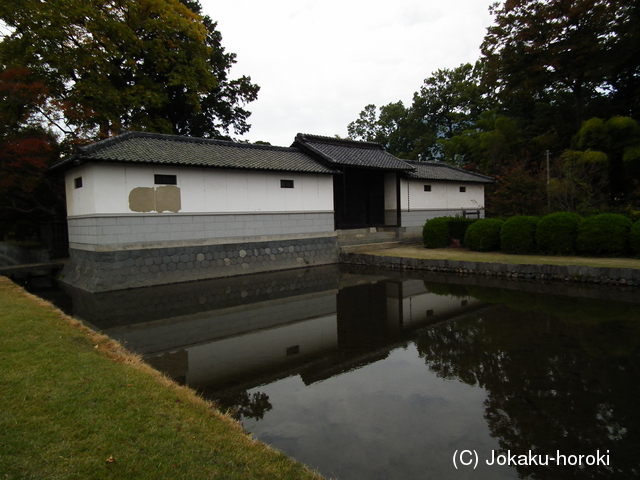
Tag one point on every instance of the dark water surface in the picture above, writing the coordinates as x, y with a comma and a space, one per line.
372, 374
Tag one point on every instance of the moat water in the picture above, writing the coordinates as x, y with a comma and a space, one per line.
373, 374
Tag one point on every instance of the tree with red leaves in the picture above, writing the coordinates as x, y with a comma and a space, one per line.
26, 151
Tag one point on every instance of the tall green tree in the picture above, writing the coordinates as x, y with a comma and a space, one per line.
152, 65
388, 125
559, 51
449, 101
72, 71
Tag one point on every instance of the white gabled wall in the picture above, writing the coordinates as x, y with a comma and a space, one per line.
80, 201
106, 188
443, 195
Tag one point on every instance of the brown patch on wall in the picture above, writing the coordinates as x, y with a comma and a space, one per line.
160, 199
142, 199
168, 199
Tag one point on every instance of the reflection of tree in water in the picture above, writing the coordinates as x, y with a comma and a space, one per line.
568, 383
241, 404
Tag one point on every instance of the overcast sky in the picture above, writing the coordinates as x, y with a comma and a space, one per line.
319, 63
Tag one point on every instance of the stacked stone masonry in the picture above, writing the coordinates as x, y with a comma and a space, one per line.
113, 270
563, 273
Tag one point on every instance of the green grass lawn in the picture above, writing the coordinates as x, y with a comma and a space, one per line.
75, 404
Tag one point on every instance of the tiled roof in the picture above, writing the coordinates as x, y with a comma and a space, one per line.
442, 171
349, 153
149, 148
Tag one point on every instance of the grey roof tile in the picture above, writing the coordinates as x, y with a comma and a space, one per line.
442, 171
148, 148
336, 151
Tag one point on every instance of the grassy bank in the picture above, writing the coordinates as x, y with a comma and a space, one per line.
462, 254
74, 404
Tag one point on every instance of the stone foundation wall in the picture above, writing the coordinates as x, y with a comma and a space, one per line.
562, 273
100, 271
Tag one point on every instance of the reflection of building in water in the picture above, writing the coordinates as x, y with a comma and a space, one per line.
240, 330
375, 317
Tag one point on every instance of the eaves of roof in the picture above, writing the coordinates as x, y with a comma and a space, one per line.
443, 172
157, 149
350, 153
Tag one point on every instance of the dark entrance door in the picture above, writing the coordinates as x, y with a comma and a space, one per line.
359, 198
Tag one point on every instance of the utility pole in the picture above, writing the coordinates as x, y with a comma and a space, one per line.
548, 185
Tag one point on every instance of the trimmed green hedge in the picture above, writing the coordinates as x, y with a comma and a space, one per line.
438, 232
518, 235
634, 238
605, 234
458, 227
483, 235
556, 233
561, 233
435, 233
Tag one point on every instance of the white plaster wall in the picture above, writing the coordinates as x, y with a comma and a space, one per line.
443, 195
390, 197
106, 189
238, 191
80, 201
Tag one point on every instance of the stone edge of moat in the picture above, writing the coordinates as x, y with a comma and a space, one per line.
562, 273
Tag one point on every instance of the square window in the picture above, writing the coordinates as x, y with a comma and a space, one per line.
429, 313
286, 183
463, 189
165, 179
293, 350
463, 303
427, 188
77, 182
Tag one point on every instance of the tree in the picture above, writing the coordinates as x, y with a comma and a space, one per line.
222, 108
26, 150
493, 141
449, 102
72, 71
390, 127
546, 51
147, 64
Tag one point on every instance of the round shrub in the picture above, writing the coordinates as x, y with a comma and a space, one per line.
458, 227
483, 235
605, 234
518, 235
634, 238
556, 233
435, 233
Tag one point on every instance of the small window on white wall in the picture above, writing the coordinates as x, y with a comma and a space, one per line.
77, 182
427, 188
463, 189
286, 183
165, 179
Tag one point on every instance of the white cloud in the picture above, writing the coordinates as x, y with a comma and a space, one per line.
319, 63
